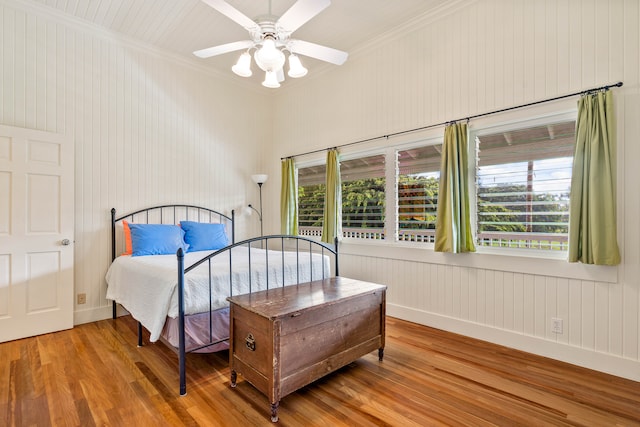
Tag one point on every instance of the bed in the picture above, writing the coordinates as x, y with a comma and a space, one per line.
174, 266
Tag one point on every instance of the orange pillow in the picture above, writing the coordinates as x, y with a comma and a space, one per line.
128, 249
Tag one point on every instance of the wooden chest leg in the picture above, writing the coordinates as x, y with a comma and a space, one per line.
380, 354
274, 412
234, 377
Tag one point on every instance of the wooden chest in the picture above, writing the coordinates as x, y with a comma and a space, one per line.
285, 338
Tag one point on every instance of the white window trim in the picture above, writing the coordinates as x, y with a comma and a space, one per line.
480, 131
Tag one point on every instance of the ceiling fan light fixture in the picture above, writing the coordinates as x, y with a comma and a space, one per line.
269, 37
271, 80
243, 66
296, 69
269, 57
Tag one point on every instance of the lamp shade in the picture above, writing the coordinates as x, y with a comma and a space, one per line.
271, 80
296, 69
259, 178
243, 66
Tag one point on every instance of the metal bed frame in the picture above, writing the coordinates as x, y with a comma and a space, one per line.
274, 242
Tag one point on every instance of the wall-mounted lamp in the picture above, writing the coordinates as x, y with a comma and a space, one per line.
258, 179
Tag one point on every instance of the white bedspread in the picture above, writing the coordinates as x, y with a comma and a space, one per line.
146, 286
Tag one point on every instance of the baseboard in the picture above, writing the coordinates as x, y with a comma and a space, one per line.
607, 363
95, 314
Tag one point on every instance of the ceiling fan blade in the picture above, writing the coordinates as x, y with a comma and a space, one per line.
317, 51
223, 48
232, 13
301, 12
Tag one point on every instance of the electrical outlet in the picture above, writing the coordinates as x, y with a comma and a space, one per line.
556, 325
82, 298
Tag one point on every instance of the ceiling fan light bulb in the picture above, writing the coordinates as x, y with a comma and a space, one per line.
296, 70
271, 80
243, 66
268, 57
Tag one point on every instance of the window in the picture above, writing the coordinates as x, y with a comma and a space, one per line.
520, 198
311, 190
523, 180
418, 179
363, 197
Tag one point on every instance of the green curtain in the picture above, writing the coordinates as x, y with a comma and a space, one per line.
453, 224
332, 216
289, 199
592, 210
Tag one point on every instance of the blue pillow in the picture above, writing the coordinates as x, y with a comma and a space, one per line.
202, 236
156, 239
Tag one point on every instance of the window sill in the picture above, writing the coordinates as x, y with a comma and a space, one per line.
554, 265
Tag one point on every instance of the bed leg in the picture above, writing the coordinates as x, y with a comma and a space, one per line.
114, 309
183, 376
139, 334
380, 354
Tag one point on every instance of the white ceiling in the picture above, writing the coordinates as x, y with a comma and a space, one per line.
182, 26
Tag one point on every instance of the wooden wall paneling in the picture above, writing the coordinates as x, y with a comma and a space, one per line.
574, 326
490, 298
476, 58
519, 303
500, 294
589, 24
550, 306
539, 53
491, 55
507, 300
588, 321
7, 74
481, 296
562, 45
551, 47
615, 51
528, 48
19, 70
602, 317
615, 323
473, 294
453, 297
562, 308
602, 34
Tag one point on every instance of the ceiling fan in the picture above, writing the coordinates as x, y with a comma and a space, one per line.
270, 37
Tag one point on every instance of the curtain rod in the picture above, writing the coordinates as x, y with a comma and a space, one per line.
619, 84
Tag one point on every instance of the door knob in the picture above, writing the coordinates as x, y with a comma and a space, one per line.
65, 242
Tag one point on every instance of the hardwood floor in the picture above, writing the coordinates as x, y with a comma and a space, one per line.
95, 375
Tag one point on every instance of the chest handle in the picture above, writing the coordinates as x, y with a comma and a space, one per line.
250, 341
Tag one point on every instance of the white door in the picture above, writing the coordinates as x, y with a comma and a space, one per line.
36, 233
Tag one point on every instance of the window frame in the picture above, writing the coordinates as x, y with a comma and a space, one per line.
354, 155
424, 142
507, 126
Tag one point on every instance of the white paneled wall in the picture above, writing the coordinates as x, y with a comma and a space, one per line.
148, 128
473, 57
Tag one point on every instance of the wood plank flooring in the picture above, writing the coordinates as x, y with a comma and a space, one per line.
95, 375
